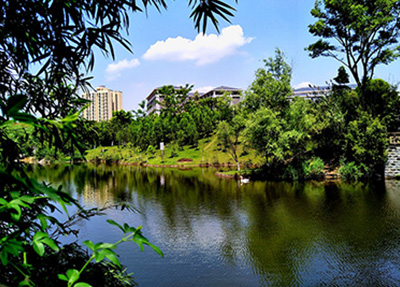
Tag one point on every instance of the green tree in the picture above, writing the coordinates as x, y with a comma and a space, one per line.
330, 125
151, 150
381, 100
187, 134
121, 126
173, 100
301, 126
104, 133
359, 34
271, 87
158, 129
266, 133
141, 112
366, 143
228, 135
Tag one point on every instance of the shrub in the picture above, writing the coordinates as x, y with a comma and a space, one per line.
151, 150
174, 149
313, 167
352, 171
366, 143
291, 173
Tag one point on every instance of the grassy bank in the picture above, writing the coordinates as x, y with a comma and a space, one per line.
208, 152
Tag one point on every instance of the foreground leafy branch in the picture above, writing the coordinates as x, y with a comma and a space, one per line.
46, 49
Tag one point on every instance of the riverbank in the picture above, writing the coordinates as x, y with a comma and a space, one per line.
208, 153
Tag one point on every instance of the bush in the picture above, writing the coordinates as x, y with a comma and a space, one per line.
49, 153
367, 142
151, 150
291, 173
174, 149
313, 167
352, 171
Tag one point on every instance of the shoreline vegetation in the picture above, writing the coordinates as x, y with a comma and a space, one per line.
344, 131
209, 154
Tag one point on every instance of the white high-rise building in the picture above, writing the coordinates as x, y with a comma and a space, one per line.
104, 103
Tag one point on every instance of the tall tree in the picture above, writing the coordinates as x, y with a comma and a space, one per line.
121, 126
271, 87
187, 133
266, 133
228, 135
360, 34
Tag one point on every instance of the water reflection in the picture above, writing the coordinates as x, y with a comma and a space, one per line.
216, 232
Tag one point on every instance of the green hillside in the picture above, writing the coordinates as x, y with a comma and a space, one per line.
208, 152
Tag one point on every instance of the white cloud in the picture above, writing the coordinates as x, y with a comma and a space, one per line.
302, 85
204, 49
114, 70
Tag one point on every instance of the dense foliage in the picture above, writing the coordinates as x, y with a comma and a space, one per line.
46, 49
181, 122
294, 135
360, 34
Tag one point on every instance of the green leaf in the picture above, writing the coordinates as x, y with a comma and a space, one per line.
51, 243
99, 256
13, 247
28, 199
15, 103
4, 257
41, 238
110, 255
107, 245
62, 277
112, 222
23, 117
43, 221
16, 207
156, 249
39, 248
89, 244
24, 283
40, 235
73, 276
82, 284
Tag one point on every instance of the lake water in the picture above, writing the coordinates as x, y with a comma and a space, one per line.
216, 232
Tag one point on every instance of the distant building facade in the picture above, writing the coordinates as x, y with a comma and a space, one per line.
314, 93
155, 97
103, 103
234, 93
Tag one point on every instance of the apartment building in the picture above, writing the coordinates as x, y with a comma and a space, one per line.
103, 103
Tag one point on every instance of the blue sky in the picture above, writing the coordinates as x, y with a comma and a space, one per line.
168, 50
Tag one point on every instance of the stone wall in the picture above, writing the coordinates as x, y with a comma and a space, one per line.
392, 168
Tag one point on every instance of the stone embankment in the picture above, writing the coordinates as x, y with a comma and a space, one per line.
392, 168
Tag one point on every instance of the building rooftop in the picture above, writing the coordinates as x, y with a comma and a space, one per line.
318, 88
156, 89
226, 88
